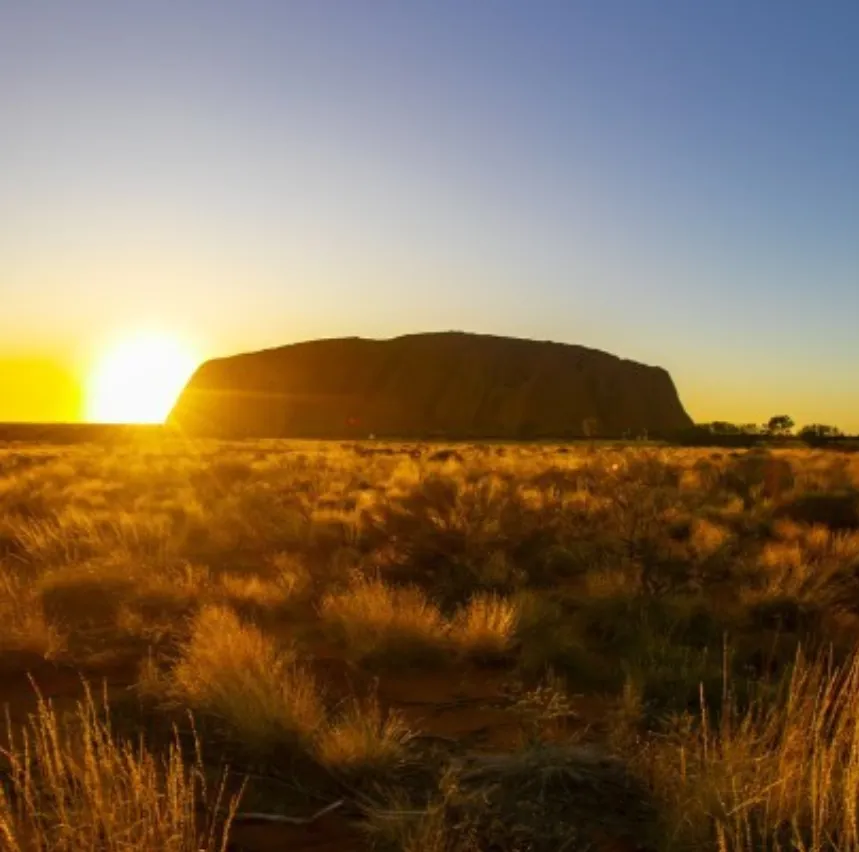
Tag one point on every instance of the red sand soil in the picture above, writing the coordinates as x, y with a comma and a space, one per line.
22, 673
329, 834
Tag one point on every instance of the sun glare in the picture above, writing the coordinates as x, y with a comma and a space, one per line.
138, 380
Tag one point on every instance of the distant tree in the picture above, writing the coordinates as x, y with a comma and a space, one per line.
749, 429
716, 434
821, 430
815, 434
780, 425
722, 427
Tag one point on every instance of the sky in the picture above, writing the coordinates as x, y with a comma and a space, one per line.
675, 182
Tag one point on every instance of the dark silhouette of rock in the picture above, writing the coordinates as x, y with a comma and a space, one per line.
437, 385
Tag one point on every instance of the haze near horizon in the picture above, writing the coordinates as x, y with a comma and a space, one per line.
673, 183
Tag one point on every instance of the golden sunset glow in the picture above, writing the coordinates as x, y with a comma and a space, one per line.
138, 379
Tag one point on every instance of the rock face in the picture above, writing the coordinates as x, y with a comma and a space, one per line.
438, 385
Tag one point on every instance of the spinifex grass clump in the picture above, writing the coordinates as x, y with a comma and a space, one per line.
361, 739
486, 627
377, 620
235, 673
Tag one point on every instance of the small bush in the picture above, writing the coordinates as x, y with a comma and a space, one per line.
377, 620
485, 627
707, 538
542, 799
400, 824
238, 675
363, 740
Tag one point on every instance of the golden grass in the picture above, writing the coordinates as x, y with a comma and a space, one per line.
399, 824
23, 623
291, 574
241, 590
780, 775
234, 672
626, 570
706, 537
363, 739
486, 626
808, 563
375, 618
73, 786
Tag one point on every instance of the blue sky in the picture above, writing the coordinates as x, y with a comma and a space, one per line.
675, 182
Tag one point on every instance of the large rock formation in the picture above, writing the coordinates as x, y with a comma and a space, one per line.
438, 385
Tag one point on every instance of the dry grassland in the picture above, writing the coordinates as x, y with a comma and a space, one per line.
427, 649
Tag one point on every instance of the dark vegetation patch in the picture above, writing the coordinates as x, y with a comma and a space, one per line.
839, 511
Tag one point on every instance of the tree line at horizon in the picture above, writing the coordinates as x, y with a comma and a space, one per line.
778, 427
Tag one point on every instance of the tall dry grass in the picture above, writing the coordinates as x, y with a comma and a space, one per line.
375, 619
781, 774
71, 785
363, 739
486, 626
232, 671
400, 623
24, 626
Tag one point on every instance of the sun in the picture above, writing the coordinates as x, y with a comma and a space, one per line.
138, 379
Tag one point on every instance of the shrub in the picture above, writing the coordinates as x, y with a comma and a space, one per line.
378, 620
819, 434
485, 627
238, 675
362, 740
836, 511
